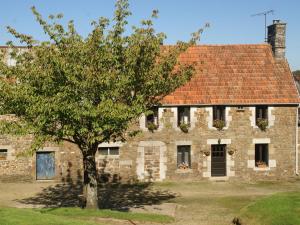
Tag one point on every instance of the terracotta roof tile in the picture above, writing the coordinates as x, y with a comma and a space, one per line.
235, 74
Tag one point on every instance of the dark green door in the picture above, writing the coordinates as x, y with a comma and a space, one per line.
218, 160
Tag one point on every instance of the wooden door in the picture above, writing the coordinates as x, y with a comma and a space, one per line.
45, 165
218, 160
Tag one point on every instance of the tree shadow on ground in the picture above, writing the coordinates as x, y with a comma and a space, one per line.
113, 193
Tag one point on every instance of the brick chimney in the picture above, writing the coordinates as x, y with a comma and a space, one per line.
276, 38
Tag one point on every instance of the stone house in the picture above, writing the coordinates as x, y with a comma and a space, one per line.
237, 118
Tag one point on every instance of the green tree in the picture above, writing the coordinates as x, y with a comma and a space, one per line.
88, 90
296, 72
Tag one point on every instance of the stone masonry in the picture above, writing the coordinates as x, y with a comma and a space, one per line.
152, 156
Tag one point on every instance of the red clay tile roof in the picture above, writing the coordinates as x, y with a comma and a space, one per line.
235, 74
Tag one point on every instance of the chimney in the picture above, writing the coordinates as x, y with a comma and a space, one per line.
276, 38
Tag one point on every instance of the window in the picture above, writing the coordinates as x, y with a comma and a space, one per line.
184, 157
3, 154
261, 113
183, 115
219, 117
108, 150
219, 113
152, 119
261, 155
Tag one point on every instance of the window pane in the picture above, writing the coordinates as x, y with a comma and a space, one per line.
3, 154
184, 156
179, 158
262, 112
261, 155
103, 151
183, 115
114, 151
219, 113
153, 117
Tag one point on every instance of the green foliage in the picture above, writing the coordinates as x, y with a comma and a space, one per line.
152, 126
219, 124
262, 123
88, 90
184, 127
296, 72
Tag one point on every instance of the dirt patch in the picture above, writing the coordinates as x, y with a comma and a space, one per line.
10, 193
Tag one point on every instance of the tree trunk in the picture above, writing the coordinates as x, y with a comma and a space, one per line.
90, 180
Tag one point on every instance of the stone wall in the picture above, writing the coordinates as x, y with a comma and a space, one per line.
153, 155
240, 135
20, 167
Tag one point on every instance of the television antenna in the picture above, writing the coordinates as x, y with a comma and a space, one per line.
264, 14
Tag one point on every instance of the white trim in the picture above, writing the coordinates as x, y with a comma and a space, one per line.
108, 156
228, 118
252, 117
271, 117
10, 152
251, 153
48, 149
142, 122
209, 118
193, 116
108, 153
261, 140
229, 160
216, 141
111, 144
10, 61
174, 120
160, 118
184, 142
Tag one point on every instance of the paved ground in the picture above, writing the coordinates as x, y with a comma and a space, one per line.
191, 203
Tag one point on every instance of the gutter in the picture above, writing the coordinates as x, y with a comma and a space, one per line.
297, 131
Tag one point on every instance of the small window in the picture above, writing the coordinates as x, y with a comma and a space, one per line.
183, 115
261, 113
184, 157
219, 113
109, 151
3, 154
261, 155
152, 118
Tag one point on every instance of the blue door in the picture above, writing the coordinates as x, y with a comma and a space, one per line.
45, 165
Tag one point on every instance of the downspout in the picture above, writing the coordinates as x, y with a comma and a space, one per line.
297, 130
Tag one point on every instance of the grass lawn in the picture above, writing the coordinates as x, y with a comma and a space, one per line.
197, 203
71, 216
278, 209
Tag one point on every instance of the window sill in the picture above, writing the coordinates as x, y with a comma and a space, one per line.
262, 169
184, 171
108, 156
